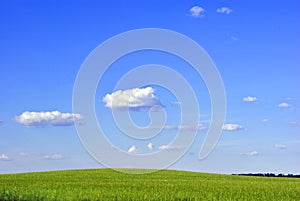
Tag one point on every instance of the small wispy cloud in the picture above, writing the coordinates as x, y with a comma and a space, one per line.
171, 148
199, 126
135, 98
234, 38
23, 154
175, 104
225, 10
232, 127
4, 157
296, 123
132, 149
54, 118
54, 157
251, 153
265, 120
150, 146
280, 146
250, 99
197, 11
284, 105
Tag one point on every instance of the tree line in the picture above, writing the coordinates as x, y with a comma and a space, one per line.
268, 175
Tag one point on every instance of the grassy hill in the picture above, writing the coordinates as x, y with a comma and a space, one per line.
106, 184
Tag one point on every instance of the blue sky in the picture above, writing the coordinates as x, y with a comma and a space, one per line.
254, 44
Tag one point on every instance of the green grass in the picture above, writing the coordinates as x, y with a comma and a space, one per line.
106, 184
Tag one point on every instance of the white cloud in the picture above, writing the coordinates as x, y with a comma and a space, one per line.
4, 157
265, 120
225, 10
150, 146
284, 105
54, 157
251, 153
175, 104
171, 148
23, 154
232, 127
234, 38
132, 149
280, 146
54, 118
135, 98
296, 123
197, 11
200, 126
250, 99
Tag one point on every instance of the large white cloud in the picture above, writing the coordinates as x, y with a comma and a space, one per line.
135, 98
54, 118
225, 10
232, 127
250, 99
197, 11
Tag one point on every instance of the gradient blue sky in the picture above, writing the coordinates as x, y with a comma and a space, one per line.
255, 47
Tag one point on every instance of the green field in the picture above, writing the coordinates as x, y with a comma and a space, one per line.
106, 184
